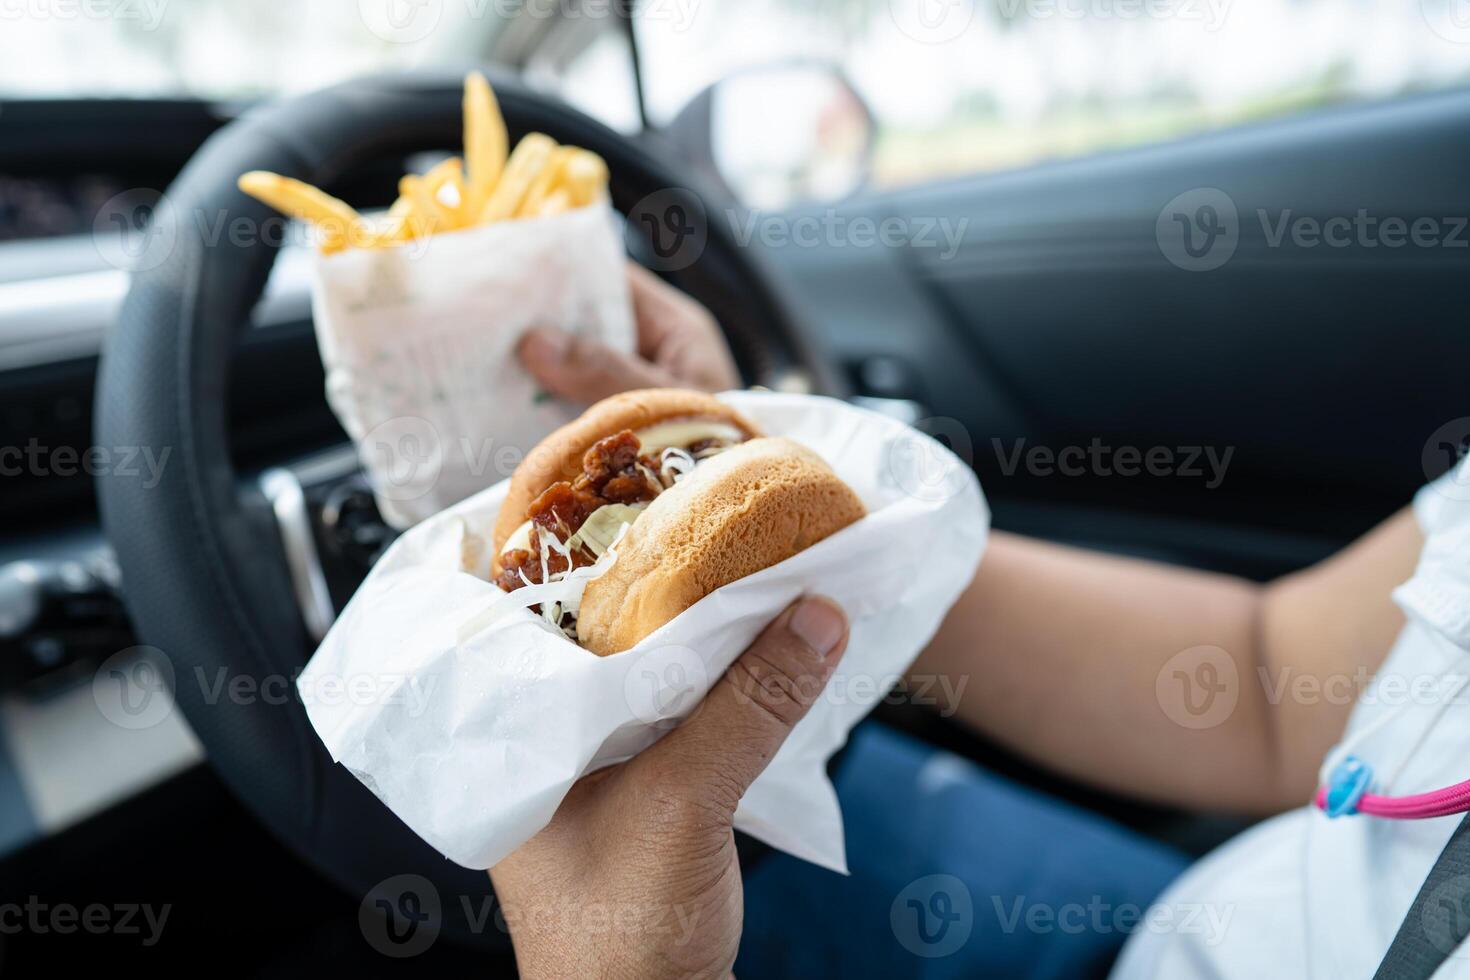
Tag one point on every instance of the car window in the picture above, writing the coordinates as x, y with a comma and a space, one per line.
968, 86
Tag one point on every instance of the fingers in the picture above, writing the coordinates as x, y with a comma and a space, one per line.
643, 283
679, 346
678, 334
747, 715
662, 310
656, 318
582, 370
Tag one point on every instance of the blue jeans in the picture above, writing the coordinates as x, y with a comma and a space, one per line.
955, 873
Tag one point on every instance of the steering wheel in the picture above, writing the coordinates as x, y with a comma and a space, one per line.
207, 579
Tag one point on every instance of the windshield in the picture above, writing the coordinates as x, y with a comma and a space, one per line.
964, 86
224, 48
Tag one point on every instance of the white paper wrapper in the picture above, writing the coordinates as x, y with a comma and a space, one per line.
419, 347
474, 741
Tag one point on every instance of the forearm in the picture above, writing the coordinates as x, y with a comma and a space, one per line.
1062, 650
1096, 666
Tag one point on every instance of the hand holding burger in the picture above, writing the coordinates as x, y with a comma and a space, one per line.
676, 893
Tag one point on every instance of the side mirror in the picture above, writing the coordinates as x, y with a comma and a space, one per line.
780, 134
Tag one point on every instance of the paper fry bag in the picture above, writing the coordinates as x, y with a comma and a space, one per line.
419, 344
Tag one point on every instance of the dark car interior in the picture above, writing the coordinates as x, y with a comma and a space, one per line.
1324, 377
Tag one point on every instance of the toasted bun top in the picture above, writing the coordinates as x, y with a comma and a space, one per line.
744, 510
559, 455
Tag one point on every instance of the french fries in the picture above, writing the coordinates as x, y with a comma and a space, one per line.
545, 183
426, 216
531, 156
446, 173
585, 178
556, 203
485, 142
338, 222
392, 231
537, 179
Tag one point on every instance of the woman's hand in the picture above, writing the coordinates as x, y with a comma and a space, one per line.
636, 876
679, 346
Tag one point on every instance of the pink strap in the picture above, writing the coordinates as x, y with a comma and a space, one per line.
1440, 803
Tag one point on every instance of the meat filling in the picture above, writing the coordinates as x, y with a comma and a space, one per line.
614, 471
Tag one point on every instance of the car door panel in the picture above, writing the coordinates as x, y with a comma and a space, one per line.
1321, 369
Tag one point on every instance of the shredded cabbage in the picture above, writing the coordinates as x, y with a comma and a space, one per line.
562, 597
603, 526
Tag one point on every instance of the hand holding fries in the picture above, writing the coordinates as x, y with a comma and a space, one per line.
538, 179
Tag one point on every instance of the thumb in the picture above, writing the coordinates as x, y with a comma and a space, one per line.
582, 370
749, 712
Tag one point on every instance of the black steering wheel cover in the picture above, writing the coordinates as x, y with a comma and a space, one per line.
205, 579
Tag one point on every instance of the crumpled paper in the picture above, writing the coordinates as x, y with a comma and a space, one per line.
418, 343
472, 734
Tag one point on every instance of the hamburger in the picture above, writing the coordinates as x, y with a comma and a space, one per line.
661, 496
